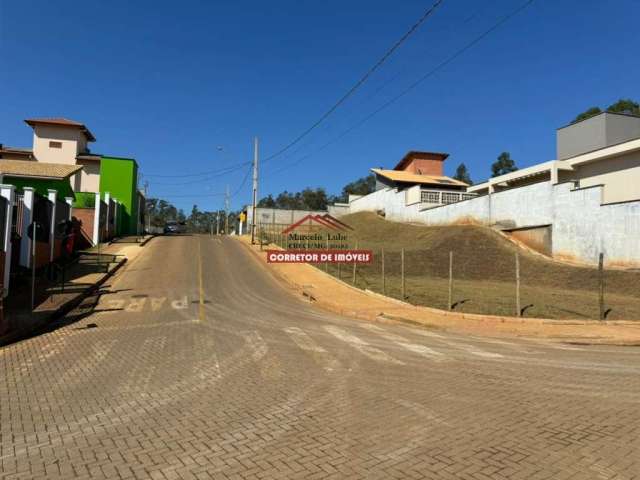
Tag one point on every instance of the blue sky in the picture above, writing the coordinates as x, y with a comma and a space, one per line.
170, 82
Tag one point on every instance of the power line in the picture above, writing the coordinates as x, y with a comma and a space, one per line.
413, 85
359, 83
220, 173
242, 184
217, 194
236, 166
195, 195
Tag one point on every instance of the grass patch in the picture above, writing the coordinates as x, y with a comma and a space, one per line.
483, 272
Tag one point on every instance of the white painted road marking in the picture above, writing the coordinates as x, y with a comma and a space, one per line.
303, 340
473, 350
519, 347
256, 344
404, 343
426, 333
136, 305
180, 304
156, 303
362, 346
557, 346
114, 304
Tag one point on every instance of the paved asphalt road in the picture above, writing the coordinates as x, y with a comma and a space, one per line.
201, 366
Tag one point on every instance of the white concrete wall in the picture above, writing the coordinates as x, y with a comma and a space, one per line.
581, 226
391, 202
279, 216
620, 176
338, 209
413, 195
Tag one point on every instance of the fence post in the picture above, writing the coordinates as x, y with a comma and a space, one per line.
33, 266
450, 305
601, 284
69, 201
28, 202
402, 274
53, 199
9, 193
384, 286
107, 201
518, 310
326, 264
353, 281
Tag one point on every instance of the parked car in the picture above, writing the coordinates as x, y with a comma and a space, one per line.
173, 227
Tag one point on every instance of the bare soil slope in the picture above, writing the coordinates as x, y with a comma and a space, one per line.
484, 272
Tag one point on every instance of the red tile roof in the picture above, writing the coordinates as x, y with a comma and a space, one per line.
60, 121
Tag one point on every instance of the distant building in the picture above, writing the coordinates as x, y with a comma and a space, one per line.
66, 142
576, 207
418, 168
603, 150
421, 174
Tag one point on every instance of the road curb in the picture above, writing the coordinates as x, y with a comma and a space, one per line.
74, 302
62, 309
146, 240
515, 326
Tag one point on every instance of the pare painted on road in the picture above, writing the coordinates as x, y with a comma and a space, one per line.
143, 304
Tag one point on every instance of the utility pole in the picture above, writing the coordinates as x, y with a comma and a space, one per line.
226, 211
217, 223
255, 191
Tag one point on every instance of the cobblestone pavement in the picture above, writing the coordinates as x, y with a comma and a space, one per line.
196, 364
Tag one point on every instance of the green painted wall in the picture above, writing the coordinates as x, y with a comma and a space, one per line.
41, 186
119, 177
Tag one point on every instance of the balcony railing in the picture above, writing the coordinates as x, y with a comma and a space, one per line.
442, 197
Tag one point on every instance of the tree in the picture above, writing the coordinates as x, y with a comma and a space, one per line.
462, 174
624, 105
267, 202
161, 211
504, 164
588, 113
317, 198
314, 199
361, 186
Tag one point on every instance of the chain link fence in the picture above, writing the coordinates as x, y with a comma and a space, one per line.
474, 270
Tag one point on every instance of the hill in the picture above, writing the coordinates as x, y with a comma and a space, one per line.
483, 272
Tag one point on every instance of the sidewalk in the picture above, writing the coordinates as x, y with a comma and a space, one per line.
337, 296
140, 240
82, 279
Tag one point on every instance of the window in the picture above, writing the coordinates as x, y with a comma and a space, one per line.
53, 144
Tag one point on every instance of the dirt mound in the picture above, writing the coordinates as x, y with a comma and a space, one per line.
484, 259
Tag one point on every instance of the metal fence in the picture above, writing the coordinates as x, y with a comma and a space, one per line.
478, 271
18, 215
3, 220
442, 197
63, 211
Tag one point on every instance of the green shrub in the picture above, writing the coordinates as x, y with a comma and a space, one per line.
85, 200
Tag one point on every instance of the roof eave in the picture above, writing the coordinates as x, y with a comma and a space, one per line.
82, 127
39, 177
